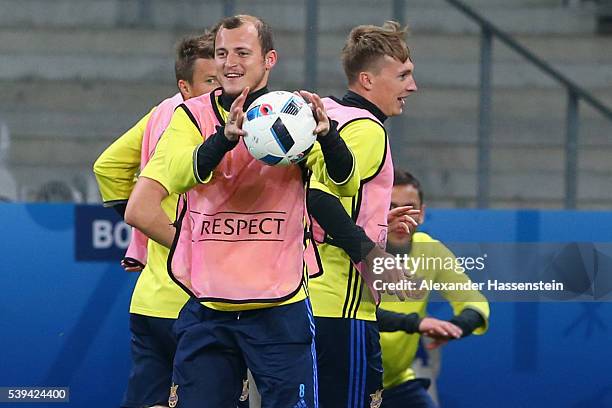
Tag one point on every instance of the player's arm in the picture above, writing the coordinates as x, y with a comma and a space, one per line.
330, 159
189, 160
367, 141
116, 168
327, 210
144, 209
389, 321
470, 308
332, 164
413, 323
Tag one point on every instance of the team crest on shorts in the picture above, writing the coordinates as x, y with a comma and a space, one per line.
173, 399
245, 391
376, 399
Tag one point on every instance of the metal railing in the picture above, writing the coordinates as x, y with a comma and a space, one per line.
575, 93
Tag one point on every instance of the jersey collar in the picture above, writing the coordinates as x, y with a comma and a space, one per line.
226, 100
351, 98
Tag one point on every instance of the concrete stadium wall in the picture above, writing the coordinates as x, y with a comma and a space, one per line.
75, 74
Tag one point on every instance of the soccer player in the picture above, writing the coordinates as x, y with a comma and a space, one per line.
238, 250
156, 300
399, 320
379, 70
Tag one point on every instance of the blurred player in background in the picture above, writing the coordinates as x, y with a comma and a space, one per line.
248, 303
402, 322
378, 67
156, 300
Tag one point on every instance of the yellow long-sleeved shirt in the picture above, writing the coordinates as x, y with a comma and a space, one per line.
155, 294
117, 167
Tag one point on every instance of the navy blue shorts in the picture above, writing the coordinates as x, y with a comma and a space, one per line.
349, 362
411, 394
215, 348
152, 345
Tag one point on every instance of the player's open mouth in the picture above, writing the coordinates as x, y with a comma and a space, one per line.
402, 101
233, 75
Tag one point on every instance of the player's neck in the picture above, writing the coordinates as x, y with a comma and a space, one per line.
357, 98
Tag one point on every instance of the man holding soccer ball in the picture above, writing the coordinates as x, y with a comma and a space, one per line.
352, 231
248, 304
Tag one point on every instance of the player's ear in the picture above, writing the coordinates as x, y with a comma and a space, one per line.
365, 80
270, 59
422, 214
184, 88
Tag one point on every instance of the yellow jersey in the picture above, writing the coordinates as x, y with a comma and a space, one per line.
155, 294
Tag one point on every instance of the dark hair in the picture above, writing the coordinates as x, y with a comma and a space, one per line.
405, 178
264, 31
366, 44
189, 50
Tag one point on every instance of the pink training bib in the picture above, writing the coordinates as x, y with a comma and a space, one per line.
157, 124
375, 193
240, 236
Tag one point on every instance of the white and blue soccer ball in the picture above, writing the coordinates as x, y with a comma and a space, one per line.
279, 128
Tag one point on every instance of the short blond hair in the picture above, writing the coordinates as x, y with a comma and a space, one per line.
366, 44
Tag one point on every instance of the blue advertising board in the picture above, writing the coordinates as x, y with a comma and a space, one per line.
65, 305
100, 234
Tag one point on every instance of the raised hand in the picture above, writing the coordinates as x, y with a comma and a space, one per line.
233, 126
318, 110
439, 330
389, 273
402, 220
131, 267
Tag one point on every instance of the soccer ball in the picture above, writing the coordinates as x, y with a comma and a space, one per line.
279, 128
